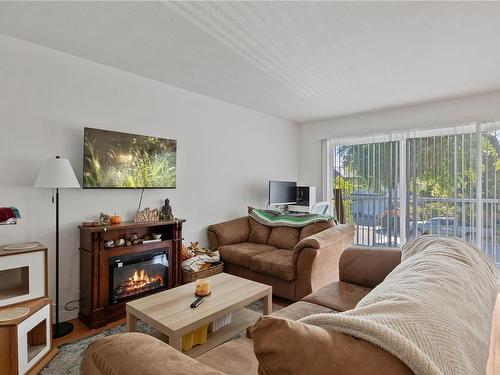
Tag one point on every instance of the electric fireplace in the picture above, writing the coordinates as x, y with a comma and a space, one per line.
132, 276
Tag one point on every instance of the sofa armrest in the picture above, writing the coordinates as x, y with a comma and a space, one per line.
366, 266
317, 258
125, 354
228, 232
327, 238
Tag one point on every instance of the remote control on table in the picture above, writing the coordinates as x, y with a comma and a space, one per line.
197, 302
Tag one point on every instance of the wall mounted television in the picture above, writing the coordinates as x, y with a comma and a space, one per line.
115, 160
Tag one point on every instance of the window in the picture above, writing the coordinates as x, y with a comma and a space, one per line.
444, 182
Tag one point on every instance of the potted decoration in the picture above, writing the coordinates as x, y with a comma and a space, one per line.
115, 219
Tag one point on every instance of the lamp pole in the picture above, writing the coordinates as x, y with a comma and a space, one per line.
57, 173
60, 329
57, 326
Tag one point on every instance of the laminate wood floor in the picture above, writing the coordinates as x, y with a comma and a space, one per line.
80, 331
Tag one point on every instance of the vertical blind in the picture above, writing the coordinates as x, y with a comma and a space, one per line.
367, 172
441, 181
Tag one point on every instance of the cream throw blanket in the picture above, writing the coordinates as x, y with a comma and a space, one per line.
433, 311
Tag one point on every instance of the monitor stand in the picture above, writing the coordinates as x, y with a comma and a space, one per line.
283, 208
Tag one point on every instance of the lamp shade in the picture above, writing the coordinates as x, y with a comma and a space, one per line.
56, 173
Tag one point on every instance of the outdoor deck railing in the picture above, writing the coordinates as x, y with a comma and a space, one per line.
377, 220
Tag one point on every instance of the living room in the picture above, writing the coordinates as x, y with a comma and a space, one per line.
386, 112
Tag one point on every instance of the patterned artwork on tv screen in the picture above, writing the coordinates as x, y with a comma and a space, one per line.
127, 161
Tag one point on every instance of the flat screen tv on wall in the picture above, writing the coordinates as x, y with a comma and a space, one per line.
115, 160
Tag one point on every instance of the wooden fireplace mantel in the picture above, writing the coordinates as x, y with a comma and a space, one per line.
131, 225
95, 308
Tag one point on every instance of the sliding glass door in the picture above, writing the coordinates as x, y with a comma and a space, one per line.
441, 185
368, 176
444, 182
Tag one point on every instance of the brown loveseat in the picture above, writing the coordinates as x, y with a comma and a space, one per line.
295, 261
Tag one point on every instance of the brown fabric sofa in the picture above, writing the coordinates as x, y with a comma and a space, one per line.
295, 261
361, 269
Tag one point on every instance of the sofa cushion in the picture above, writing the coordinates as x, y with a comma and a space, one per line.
300, 309
284, 346
259, 233
229, 232
281, 288
241, 253
233, 357
340, 296
367, 266
284, 237
311, 229
137, 353
277, 263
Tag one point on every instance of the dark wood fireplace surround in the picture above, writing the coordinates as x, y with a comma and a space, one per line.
95, 308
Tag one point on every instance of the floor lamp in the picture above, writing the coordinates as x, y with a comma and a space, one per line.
57, 173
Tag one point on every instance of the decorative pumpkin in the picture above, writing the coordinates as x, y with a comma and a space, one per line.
115, 219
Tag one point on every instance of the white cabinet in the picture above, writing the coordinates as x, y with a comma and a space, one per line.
33, 339
23, 275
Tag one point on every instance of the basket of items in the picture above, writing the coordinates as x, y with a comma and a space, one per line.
199, 263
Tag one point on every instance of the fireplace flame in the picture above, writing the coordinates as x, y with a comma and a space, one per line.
139, 282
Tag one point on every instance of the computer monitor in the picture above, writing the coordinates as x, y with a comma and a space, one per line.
282, 192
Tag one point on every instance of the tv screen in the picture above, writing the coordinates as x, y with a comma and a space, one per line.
114, 160
282, 192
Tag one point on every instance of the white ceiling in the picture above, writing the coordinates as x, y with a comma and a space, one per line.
296, 60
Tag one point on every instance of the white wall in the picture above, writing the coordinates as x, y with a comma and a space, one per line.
430, 115
226, 154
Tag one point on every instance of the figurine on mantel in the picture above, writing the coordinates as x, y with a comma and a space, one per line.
104, 219
166, 211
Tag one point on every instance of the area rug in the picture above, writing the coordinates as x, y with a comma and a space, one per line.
68, 359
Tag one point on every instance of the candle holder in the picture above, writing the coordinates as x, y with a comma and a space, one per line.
203, 288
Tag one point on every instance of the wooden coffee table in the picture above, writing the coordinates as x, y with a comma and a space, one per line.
170, 313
